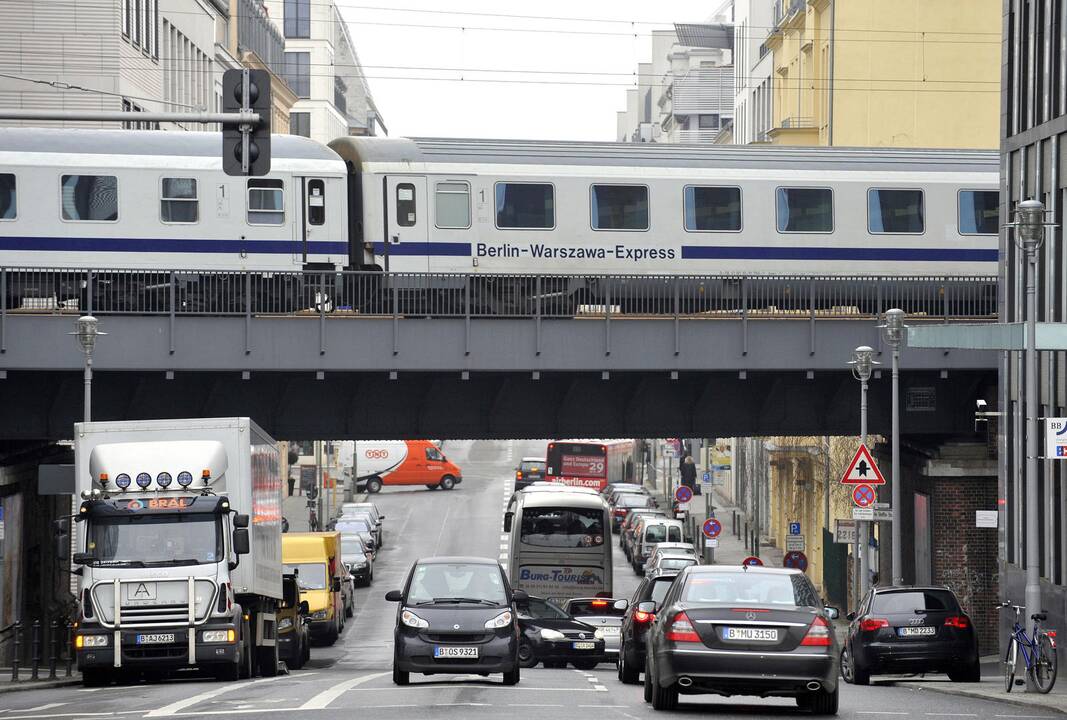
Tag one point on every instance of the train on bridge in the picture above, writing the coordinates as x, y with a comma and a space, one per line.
133, 221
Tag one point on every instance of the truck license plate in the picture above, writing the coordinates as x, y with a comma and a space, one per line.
155, 638
916, 631
750, 634
441, 651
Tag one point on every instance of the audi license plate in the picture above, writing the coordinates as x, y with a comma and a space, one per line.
155, 638
449, 651
584, 645
916, 631
749, 634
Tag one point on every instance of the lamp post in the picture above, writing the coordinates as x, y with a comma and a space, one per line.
894, 335
862, 363
87, 330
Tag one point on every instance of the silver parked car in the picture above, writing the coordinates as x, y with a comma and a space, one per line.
605, 614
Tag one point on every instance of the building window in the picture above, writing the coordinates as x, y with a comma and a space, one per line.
619, 207
979, 212
895, 211
711, 209
805, 210
452, 207
90, 197
126, 11
266, 202
298, 73
525, 206
8, 208
178, 201
708, 122
405, 205
297, 14
137, 22
300, 124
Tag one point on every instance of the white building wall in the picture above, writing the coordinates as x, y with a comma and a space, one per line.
753, 19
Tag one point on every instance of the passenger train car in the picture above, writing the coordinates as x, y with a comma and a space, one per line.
158, 202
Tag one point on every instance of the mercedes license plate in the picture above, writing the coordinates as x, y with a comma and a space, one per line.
155, 638
750, 634
916, 631
584, 645
449, 651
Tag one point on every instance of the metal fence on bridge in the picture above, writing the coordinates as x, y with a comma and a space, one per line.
354, 294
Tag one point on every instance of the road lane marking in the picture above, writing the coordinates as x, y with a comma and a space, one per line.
176, 707
40, 708
880, 712
324, 698
483, 685
600, 688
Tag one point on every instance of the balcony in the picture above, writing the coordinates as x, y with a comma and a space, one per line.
698, 136
798, 123
257, 34
785, 9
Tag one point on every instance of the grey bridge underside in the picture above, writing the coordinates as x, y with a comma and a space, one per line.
355, 398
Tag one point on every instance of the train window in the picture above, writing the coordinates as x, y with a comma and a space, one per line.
805, 210
979, 212
316, 201
178, 201
712, 209
525, 206
405, 205
8, 208
266, 202
619, 207
895, 211
90, 197
452, 207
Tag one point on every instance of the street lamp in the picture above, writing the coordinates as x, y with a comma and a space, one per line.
862, 363
87, 330
894, 335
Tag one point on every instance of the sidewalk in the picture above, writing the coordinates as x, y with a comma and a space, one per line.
731, 549
24, 683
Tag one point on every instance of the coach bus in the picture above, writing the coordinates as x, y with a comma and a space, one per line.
560, 544
589, 463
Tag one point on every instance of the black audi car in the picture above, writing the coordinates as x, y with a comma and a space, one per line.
910, 630
635, 624
552, 637
456, 615
739, 630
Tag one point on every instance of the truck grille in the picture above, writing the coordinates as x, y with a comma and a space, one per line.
170, 614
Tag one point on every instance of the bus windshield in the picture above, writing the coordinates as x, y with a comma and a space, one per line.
562, 527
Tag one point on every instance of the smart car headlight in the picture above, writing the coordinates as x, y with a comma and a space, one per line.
412, 620
501, 620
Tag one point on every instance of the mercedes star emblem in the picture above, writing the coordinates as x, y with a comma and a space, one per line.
750, 615
455, 627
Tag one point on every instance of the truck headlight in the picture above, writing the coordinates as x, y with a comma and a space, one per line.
91, 641
501, 620
319, 615
412, 620
552, 635
285, 623
214, 636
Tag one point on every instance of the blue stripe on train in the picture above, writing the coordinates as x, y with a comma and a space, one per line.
736, 252
171, 245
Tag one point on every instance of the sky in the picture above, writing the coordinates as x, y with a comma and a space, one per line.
584, 61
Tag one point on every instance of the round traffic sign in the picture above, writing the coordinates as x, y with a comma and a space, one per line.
796, 559
683, 494
752, 561
863, 496
711, 528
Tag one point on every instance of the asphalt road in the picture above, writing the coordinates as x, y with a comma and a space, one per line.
352, 678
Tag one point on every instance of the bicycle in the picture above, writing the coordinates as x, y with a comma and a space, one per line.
1038, 651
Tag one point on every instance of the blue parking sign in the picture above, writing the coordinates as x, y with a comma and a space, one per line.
794, 528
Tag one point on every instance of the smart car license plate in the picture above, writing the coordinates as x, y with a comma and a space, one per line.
443, 651
155, 638
750, 634
584, 645
916, 631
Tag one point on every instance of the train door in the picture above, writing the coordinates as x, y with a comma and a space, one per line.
313, 226
407, 219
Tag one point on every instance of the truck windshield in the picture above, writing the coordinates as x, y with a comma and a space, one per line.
155, 540
309, 576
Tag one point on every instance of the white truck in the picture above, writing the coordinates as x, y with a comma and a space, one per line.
178, 548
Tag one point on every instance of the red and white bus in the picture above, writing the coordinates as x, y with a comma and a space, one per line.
588, 463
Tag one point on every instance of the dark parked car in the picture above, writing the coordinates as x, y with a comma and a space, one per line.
635, 624
456, 615
530, 470
910, 630
739, 630
294, 639
625, 502
552, 637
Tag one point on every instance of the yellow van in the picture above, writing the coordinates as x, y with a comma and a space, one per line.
316, 560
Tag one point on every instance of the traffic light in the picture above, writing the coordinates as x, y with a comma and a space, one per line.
258, 101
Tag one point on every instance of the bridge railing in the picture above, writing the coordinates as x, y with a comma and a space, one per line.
216, 293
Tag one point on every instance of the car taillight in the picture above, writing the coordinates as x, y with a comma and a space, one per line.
958, 621
518, 474
640, 616
818, 634
681, 630
871, 624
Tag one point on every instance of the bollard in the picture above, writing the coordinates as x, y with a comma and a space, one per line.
18, 651
70, 647
53, 649
35, 650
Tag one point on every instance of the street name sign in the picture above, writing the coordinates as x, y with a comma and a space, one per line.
863, 470
882, 515
1056, 438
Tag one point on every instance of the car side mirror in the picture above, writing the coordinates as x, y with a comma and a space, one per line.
335, 586
394, 596
83, 558
648, 606
851, 616
831, 612
305, 609
290, 593
240, 521
240, 541
621, 604
507, 520
520, 596
381, 517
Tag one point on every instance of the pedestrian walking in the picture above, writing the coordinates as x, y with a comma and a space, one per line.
689, 473
292, 483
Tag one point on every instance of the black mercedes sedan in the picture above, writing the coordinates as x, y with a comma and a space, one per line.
740, 630
456, 615
910, 630
552, 637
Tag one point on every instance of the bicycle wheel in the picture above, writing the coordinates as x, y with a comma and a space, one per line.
1044, 668
1010, 660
